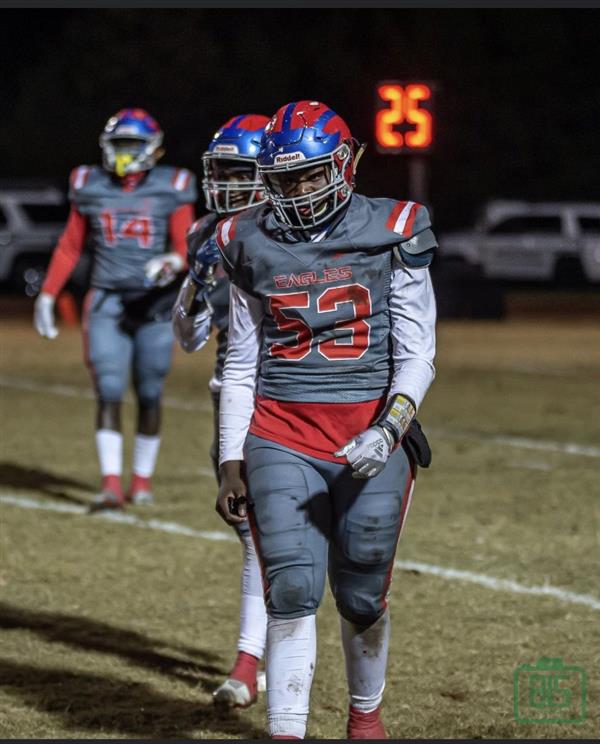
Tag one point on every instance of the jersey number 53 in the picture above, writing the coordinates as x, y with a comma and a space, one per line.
350, 345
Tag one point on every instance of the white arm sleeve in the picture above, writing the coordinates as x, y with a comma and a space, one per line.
412, 306
239, 375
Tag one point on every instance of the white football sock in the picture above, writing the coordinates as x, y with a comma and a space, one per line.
253, 614
366, 653
145, 452
109, 445
291, 656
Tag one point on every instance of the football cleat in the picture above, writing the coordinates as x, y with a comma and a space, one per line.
140, 491
140, 497
365, 725
234, 694
105, 500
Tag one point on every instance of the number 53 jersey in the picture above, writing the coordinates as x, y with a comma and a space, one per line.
327, 327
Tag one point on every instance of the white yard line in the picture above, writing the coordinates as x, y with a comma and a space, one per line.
71, 391
566, 448
449, 574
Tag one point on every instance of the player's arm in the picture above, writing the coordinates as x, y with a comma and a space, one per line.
412, 307
192, 311
162, 270
237, 399
64, 259
413, 315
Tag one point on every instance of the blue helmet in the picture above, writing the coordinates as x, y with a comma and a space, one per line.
301, 136
131, 142
231, 181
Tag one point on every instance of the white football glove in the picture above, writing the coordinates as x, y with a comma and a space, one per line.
43, 315
368, 452
162, 270
191, 317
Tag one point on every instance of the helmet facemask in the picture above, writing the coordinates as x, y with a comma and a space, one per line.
125, 154
315, 208
231, 183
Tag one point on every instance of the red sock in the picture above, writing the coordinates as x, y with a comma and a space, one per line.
139, 483
112, 483
244, 670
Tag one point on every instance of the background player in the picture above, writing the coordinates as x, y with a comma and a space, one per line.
231, 184
330, 354
136, 214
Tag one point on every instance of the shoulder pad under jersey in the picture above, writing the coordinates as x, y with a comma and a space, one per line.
82, 180
230, 235
180, 181
199, 231
411, 221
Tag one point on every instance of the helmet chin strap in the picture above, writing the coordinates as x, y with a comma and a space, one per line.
359, 153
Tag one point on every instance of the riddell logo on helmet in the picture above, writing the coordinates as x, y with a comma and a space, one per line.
231, 149
289, 157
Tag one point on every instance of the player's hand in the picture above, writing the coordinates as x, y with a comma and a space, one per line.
232, 499
368, 452
162, 270
43, 316
203, 262
191, 316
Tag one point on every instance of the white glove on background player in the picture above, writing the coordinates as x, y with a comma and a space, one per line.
43, 316
368, 452
162, 270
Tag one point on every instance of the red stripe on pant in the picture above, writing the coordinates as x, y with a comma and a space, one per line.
85, 318
256, 541
406, 502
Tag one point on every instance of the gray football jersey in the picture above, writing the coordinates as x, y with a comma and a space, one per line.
326, 330
127, 228
199, 232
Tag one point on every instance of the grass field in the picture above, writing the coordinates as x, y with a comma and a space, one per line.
115, 630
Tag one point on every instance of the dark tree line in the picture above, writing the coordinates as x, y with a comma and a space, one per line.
518, 99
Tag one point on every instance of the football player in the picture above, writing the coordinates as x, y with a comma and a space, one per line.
231, 184
331, 347
136, 214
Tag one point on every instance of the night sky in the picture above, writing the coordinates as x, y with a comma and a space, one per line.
517, 103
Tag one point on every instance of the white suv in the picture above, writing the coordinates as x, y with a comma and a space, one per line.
31, 219
535, 242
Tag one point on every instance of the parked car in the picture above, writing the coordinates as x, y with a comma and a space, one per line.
539, 242
32, 216
514, 243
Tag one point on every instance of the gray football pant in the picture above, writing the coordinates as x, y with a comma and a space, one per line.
113, 352
309, 516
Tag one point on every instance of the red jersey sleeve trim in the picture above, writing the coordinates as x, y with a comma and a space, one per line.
67, 252
180, 222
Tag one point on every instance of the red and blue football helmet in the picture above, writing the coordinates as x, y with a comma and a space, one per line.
131, 142
304, 135
231, 180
